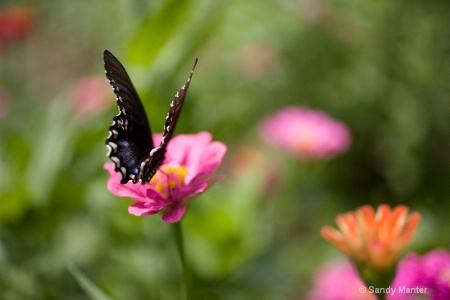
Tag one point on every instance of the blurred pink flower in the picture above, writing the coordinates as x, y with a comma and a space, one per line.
417, 278
16, 22
339, 281
430, 273
306, 133
187, 171
91, 94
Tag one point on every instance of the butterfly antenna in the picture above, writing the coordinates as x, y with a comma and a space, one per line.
193, 68
195, 64
167, 181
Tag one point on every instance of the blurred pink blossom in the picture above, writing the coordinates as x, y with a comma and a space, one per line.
186, 172
91, 94
339, 281
306, 133
418, 278
430, 272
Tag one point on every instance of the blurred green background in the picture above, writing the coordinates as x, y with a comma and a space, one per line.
382, 67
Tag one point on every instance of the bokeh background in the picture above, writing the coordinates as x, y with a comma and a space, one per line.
381, 67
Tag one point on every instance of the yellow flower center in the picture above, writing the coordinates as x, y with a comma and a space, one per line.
167, 178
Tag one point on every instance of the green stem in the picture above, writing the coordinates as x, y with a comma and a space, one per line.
178, 236
380, 280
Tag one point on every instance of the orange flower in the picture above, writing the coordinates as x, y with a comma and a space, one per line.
374, 239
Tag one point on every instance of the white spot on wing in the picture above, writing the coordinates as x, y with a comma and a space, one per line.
123, 170
113, 146
157, 148
109, 150
116, 161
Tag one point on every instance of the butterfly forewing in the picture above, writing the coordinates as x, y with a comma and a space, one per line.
157, 154
130, 141
130, 137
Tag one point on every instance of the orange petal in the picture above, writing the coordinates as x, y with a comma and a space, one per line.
336, 238
366, 218
383, 222
347, 223
410, 228
397, 222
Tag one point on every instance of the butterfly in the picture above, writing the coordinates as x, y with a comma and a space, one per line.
130, 143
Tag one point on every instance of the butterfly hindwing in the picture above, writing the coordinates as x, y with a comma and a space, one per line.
130, 142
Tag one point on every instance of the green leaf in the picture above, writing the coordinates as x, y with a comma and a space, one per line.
87, 285
156, 30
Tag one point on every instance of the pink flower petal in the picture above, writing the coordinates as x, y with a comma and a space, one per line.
183, 146
157, 137
210, 159
339, 281
197, 153
140, 209
198, 185
174, 215
128, 190
155, 196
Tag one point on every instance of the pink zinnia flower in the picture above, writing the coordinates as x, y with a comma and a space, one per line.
427, 276
187, 171
417, 278
339, 281
306, 133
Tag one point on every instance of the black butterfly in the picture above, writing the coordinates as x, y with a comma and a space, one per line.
130, 144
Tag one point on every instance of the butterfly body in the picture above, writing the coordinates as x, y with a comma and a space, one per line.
130, 143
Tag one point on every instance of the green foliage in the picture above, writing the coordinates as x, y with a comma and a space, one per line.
379, 66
